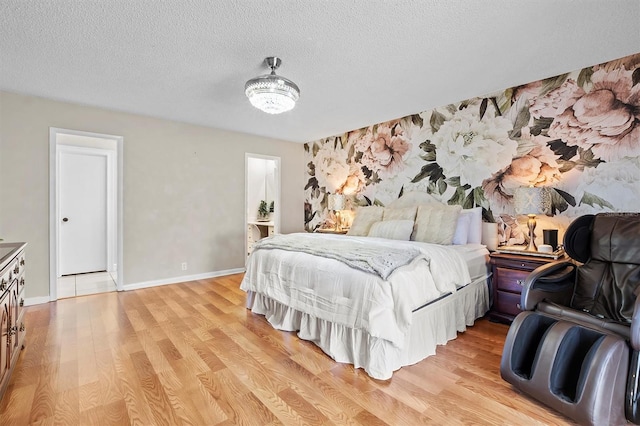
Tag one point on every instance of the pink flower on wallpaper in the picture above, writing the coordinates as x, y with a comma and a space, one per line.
355, 181
384, 149
537, 167
606, 119
556, 101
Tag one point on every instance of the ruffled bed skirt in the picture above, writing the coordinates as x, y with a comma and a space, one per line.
432, 325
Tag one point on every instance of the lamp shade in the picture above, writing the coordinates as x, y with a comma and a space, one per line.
272, 93
532, 200
336, 202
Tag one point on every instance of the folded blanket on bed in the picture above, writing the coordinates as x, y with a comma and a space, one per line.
373, 258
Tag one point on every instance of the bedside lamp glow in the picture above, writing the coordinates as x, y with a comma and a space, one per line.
532, 201
336, 203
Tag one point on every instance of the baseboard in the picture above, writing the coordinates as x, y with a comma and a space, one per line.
184, 278
29, 301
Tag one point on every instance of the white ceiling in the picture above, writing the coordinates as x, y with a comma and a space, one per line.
357, 62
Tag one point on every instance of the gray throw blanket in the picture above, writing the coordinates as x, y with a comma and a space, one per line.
373, 258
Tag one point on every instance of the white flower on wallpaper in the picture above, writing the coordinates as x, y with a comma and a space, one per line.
473, 149
578, 133
332, 168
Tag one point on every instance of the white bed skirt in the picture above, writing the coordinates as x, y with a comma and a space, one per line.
433, 325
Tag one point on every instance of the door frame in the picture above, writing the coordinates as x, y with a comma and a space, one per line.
115, 199
277, 204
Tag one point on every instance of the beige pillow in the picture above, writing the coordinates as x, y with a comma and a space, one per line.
412, 199
407, 213
365, 217
436, 223
392, 229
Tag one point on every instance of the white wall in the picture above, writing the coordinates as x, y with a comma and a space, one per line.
183, 188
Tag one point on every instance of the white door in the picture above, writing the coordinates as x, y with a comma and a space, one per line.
82, 213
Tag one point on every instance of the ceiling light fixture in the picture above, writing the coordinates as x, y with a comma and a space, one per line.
272, 93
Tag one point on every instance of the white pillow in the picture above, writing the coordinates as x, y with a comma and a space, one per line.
436, 223
392, 229
475, 227
406, 213
461, 235
365, 217
412, 199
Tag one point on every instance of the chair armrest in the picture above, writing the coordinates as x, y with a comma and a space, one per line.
552, 282
634, 332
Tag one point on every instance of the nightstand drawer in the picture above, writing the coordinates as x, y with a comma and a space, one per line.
510, 279
508, 303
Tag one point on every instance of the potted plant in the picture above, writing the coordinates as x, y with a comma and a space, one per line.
263, 212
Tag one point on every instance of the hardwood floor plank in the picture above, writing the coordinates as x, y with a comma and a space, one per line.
192, 354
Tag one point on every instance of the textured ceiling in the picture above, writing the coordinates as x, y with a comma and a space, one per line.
357, 62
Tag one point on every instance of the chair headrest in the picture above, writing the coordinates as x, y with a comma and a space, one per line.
576, 238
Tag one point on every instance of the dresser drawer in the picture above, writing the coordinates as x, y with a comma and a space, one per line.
508, 303
510, 279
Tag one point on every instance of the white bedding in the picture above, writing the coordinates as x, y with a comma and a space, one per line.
329, 290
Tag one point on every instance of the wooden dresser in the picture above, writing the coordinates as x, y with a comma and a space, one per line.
509, 273
12, 329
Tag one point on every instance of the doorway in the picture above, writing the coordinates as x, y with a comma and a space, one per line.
85, 213
262, 185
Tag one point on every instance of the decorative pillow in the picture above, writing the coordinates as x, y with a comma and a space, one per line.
392, 229
365, 217
461, 235
406, 213
412, 199
475, 226
436, 223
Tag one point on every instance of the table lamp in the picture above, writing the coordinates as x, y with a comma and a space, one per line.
532, 200
336, 203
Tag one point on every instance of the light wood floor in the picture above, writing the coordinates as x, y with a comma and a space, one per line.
191, 353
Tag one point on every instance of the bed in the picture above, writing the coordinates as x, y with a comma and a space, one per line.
376, 302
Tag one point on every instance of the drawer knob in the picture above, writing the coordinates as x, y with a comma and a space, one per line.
520, 283
16, 269
518, 306
522, 264
22, 262
22, 281
22, 328
21, 302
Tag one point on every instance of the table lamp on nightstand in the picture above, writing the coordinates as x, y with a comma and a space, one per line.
336, 203
531, 201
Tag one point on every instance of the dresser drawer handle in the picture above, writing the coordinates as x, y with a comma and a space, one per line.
22, 327
13, 330
16, 269
522, 264
520, 283
22, 262
21, 302
518, 306
3, 285
22, 281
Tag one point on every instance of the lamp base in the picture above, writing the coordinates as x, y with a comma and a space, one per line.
531, 223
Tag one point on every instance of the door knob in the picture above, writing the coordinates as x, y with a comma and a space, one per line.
65, 219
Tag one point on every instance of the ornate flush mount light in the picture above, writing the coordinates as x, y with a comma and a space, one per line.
272, 93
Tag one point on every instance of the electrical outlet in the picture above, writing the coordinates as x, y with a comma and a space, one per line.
184, 266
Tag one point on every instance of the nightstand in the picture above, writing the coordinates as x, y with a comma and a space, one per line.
509, 273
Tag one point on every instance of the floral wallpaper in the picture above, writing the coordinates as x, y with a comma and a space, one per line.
577, 133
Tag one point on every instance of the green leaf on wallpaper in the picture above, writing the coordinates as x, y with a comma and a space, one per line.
458, 197
570, 199
479, 199
352, 151
558, 203
312, 183
367, 200
560, 148
522, 119
548, 84
635, 77
432, 171
468, 201
377, 202
586, 159
540, 126
436, 120
454, 181
592, 199
505, 99
306, 147
483, 107
565, 166
401, 191
315, 149
417, 120
442, 186
585, 76
494, 101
